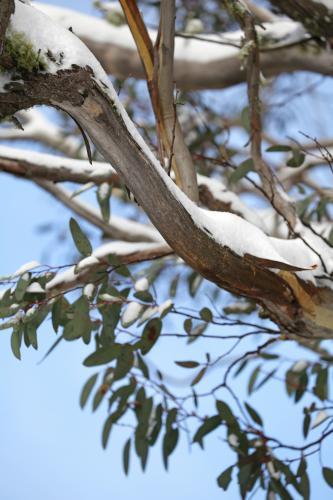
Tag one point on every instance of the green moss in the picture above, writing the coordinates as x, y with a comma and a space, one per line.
20, 53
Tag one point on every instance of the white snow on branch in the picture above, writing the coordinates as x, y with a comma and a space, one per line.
35, 288
131, 314
221, 193
37, 127
53, 162
25, 268
227, 229
99, 256
202, 49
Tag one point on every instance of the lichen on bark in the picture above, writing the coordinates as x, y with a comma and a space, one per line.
19, 54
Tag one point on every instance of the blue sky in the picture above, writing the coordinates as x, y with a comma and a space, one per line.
50, 449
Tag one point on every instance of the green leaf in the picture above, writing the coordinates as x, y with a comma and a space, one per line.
252, 379
226, 414
244, 168
99, 396
103, 198
188, 325
174, 285
169, 444
328, 476
279, 148
126, 456
144, 296
297, 159
206, 314
194, 282
142, 366
117, 266
266, 379
22, 286
199, 376
158, 425
253, 414
187, 364
15, 342
31, 333
107, 429
304, 486
150, 335
87, 388
125, 361
224, 478
321, 387
306, 424
81, 319
171, 418
104, 355
302, 385
278, 487
245, 118
111, 316
80, 239
209, 425
301, 467
59, 316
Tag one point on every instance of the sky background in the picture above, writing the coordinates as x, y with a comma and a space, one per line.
50, 448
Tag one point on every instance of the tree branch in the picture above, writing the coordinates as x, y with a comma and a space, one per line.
177, 152
116, 228
195, 235
273, 190
31, 165
159, 76
211, 62
93, 268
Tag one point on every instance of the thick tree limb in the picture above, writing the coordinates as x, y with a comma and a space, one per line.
298, 307
26, 164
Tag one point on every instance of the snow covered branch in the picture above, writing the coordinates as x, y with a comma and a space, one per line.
33, 165
116, 228
93, 268
28, 164
203, 62
224, 248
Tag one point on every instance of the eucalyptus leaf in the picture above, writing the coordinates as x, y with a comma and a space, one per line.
81, 241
